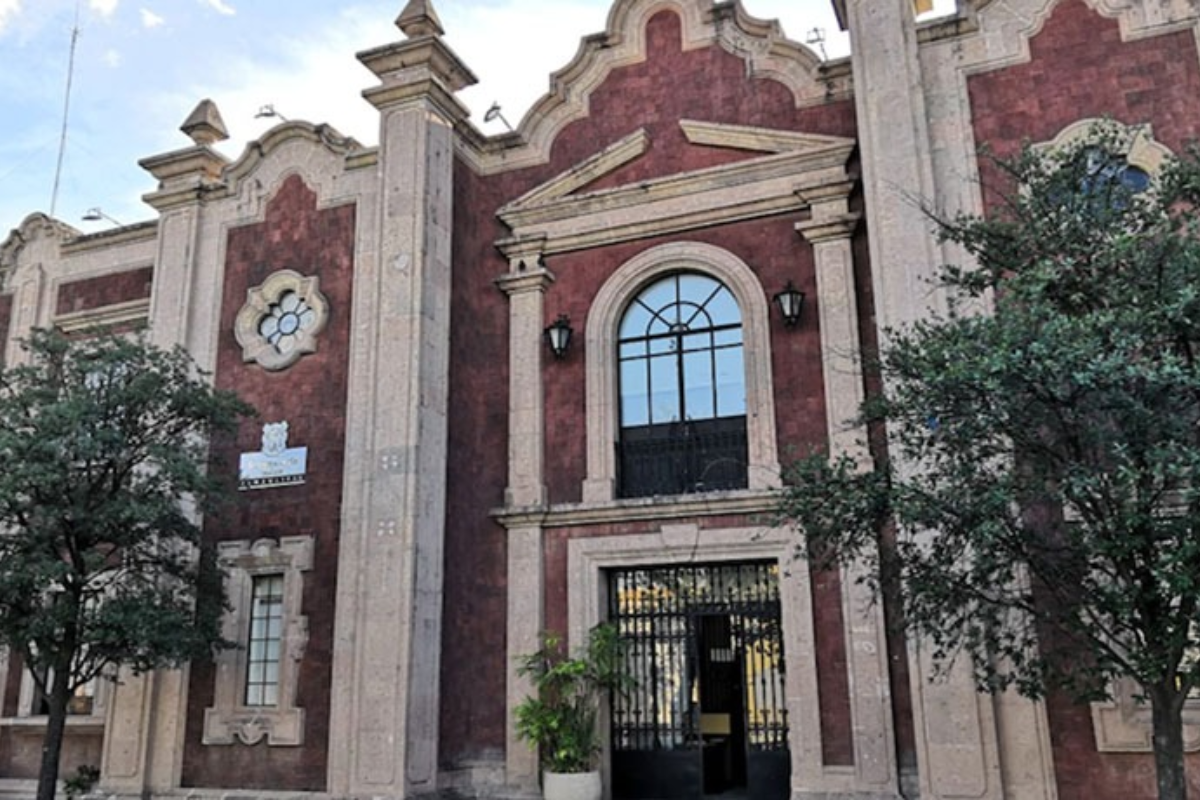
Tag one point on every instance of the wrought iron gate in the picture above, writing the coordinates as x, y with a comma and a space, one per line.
705, 647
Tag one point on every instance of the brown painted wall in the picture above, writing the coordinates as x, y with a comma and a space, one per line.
311, 396
1080, 68
707, 84
105, 290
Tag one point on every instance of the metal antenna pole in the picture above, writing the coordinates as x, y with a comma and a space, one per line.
62, 139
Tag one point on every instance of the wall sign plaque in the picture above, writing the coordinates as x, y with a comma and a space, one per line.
276, 464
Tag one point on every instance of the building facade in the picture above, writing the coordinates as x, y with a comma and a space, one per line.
446, 487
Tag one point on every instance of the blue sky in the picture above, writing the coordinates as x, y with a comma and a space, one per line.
142, 65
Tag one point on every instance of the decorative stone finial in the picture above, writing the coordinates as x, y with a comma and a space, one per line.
419, 19
204, 125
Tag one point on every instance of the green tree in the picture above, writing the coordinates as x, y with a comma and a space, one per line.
104, 444
1036, 509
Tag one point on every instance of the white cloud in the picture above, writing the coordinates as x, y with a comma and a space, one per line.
104, 7
112, 58
8, 9
150, 19
220, 6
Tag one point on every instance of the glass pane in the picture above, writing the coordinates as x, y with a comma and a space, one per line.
274, 628
272, 651
697, 341
635, 393
270, 696
664, 390
254, 695
723, 309
697, 380
664, 344
255, 674
635, 321
696, 288
727, 336
632, 349
271, 674
257, 649
659, 295
731, 382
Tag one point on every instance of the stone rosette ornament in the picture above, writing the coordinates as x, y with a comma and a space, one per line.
281, 319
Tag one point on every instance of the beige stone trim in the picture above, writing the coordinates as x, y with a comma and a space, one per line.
259, 302
601, 369
229, 719
756, 139
133, 311
526, 593
608, 160
761, 43
639, 509
1124, 725
755, 187
526, 401
1141, 151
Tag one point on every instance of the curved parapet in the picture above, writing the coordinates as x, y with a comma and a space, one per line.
34, 228
760, 43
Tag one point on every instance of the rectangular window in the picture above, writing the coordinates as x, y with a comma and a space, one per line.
266, 637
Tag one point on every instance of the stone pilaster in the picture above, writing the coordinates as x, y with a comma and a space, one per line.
955, 727
384, 720
143, 743
829, 231
525, 286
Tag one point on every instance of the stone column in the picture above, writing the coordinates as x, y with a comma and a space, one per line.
144, 731
384, 715
828, 231
525, 286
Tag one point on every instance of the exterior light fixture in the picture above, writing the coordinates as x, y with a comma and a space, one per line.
558, 336
267, 111
494, 113
94, 214
791, 301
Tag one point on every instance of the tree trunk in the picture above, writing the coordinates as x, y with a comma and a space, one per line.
1166, 703
56, 726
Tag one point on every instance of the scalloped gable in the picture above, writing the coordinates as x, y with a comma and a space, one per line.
761, 44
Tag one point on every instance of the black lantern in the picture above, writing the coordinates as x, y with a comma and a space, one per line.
790, 301
558, 336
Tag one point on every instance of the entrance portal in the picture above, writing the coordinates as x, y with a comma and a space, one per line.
707, 716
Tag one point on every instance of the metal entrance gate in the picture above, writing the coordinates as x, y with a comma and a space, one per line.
707, 716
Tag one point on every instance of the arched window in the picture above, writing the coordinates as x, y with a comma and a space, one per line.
682, 382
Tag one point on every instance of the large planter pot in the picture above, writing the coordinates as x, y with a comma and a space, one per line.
571, 786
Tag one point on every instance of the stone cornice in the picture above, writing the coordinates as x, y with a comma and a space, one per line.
102, 240
118, 314
394, 63
536, 280
637, 510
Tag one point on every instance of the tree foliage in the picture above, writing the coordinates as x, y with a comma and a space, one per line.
1039, 500
104, 445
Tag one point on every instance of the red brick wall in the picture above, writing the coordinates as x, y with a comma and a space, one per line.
1080, 68
105, 290
311, 396
708, 84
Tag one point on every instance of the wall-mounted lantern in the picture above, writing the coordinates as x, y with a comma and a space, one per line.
791, 301
558, 336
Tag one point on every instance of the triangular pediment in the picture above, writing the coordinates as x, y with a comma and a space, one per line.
779, 167
744, 138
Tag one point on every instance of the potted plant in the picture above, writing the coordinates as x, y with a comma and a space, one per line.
561, 719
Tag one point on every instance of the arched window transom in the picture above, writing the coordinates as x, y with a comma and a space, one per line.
682, 389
